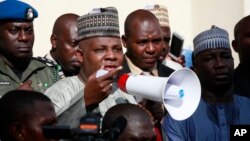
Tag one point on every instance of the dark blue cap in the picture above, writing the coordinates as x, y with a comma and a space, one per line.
14, 10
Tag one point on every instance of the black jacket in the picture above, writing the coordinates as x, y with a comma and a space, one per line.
241, 80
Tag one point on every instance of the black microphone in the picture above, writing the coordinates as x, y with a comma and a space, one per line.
116, 129
58, 132
88, 129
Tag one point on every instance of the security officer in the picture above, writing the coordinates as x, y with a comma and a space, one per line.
62, 57
18, 69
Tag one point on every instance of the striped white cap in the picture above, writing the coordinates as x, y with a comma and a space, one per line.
210, 39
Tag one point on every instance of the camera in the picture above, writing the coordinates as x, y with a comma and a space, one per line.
88, 130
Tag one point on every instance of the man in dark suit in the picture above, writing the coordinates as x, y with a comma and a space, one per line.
144, 42
241, 45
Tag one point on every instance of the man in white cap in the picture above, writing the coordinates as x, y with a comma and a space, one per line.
89, 91
219, 107
161, 13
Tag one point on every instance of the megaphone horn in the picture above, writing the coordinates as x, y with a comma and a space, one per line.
180, 92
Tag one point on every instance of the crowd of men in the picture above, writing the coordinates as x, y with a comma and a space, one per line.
79, 75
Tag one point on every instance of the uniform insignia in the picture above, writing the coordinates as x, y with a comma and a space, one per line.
29, 14
56, 68
4, 83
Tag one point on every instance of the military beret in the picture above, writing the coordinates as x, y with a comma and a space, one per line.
17, 11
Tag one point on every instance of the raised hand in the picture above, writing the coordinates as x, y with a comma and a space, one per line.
98, 88
26, 86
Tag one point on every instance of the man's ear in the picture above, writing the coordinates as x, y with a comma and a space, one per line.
79, 55
53, 39
235, 46
124, 41
194, 64
17, 131
194, 67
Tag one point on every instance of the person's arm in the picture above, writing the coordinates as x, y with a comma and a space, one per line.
174, 130
65, 93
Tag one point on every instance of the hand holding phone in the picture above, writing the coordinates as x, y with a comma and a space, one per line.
176, 46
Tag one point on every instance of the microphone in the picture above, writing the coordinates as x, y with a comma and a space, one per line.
87, 130
116, 129
58, 132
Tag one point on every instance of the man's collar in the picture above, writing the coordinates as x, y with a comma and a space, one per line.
49, 56
136, 70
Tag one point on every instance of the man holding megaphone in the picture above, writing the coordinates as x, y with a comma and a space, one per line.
219, 107
92, 90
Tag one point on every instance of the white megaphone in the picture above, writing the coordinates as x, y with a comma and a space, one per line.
180, 92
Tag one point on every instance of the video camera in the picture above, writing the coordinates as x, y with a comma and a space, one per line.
89, 130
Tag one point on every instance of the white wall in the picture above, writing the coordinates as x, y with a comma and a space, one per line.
222, 13
187, 17
246, 4
49, 10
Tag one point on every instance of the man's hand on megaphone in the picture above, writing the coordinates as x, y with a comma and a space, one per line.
98, 88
